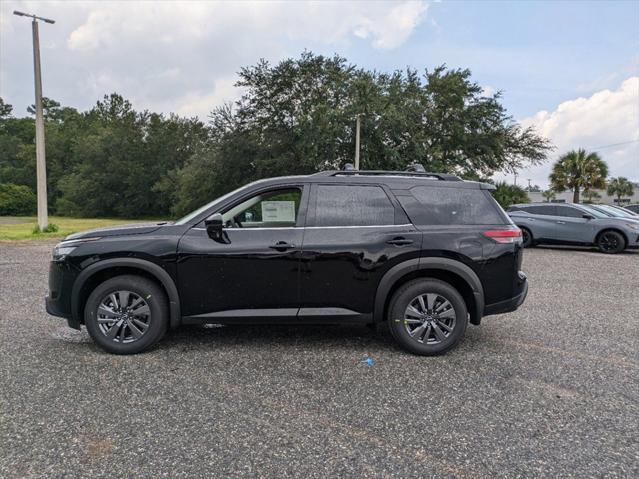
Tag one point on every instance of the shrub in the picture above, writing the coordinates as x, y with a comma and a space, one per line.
507, 195
17, 200
51, 228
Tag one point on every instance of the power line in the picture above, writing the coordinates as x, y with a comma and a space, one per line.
595, 148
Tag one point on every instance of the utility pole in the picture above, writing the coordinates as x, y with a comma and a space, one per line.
41, 164
515, 178
357, 141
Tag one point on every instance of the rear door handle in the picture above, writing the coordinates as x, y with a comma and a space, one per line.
282, 246
561, 222
400, 241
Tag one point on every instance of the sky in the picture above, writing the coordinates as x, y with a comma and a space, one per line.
569, 69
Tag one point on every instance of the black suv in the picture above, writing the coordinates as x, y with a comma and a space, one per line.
424, 252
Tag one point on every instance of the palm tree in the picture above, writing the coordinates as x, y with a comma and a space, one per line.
577, 170
549, 195
507, 195
590, 195
620, 187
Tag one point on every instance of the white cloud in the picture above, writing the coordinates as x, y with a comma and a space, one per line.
181, 55
390, 30
607, 118
386, 24
200, 102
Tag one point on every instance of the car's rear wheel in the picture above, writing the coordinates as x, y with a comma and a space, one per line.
427, 316
527, 238
611, 242
126, 314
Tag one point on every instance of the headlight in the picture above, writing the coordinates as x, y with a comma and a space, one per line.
60, 251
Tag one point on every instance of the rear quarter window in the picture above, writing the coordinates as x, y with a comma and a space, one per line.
430, 205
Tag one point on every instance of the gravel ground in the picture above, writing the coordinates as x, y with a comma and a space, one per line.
551, 390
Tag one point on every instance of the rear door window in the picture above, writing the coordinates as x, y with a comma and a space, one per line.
451, 206
548, 210
568, 211
353, 205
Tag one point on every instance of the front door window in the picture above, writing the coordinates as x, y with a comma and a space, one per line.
273, 209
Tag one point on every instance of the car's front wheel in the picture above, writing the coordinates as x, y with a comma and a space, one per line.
427, 316
126, 314
611, 242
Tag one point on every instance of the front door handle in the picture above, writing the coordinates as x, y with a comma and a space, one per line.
282, 246
400, 241
561, 222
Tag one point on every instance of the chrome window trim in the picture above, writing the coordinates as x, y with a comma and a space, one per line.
312, 227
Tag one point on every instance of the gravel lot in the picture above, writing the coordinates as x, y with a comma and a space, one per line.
550, 390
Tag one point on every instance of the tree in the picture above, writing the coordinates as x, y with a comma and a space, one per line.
577, 170
294, 117
298, 117
591, 195
5, 109
16, 200
620, 187
507, 194
125, 161
549, 195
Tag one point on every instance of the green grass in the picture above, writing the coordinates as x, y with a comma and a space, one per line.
24, 229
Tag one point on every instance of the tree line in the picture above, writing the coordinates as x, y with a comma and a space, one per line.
294, 117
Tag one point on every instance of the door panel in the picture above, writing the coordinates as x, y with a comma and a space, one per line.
541, 226
341, 267
253, 271
349, 243
249, 272
571, 226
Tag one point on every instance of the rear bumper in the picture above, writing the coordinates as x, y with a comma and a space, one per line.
510, 304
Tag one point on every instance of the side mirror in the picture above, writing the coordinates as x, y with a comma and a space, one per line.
214, 226
587, 216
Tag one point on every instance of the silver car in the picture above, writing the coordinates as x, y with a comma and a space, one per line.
555, 223
611, 210
633, 208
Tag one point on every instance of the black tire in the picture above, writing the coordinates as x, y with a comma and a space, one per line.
527, 237
399, 327
156, 321
611, 242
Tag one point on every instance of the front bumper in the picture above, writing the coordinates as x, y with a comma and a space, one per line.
510, 304
58, 301
54, 308
633, 244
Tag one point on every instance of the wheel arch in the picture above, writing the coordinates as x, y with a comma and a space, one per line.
616, 230
453, 272
99, 272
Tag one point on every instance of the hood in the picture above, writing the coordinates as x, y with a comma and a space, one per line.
120, 230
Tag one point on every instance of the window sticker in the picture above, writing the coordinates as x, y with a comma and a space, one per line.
278, 211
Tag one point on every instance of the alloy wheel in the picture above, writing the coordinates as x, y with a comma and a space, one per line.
123, 316
609, 242
430, 318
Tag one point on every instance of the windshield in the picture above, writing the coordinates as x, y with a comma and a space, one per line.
594, 211
616, 211
202, 209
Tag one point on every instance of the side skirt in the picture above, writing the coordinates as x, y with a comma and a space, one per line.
281, 316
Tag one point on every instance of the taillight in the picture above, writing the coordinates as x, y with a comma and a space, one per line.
504, 236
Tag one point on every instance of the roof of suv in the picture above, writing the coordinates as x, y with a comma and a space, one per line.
394, 179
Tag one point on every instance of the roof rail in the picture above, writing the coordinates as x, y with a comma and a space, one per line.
424, 174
